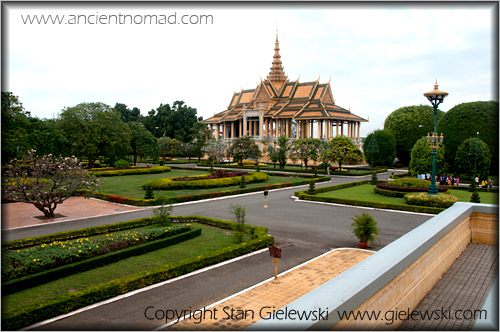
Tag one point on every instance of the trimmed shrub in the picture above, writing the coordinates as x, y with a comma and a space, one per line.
169, 184
424, 199
386, 143
409, 185
122, 163
130, 171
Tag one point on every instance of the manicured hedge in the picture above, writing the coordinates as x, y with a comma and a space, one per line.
197, 197
388, 186
438, 201
488, 190
392, 193
16, 319
391, 206
170, 184
362, 171
19, 284
130, 171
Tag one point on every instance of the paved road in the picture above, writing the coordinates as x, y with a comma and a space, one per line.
303, 230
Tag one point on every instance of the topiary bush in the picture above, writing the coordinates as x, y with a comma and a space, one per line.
408, 124
122, 163
463, 121
386, 143
424, 199
410, 183
464, 161
421, 158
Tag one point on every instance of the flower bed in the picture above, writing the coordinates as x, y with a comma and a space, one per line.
17, 263
169, 184
16, 319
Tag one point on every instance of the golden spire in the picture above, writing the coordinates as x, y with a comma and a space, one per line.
277, 72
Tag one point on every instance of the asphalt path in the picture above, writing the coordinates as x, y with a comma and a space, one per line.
303, 230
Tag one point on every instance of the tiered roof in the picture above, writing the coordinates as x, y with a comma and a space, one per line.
279, 98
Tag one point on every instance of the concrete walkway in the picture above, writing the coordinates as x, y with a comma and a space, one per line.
240, 311
464, 287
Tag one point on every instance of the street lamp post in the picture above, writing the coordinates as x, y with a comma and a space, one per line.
435, 97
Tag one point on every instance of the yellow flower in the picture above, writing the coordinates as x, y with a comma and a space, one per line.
34, 260
79, 251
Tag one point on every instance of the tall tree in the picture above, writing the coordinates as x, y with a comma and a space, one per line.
215, 150
305, 149
95, 129
343, 151
168, 146
243, 148
200, 135
15, 127
142, 142
126, 114
174, 122
408, 124
46, 137
280, 152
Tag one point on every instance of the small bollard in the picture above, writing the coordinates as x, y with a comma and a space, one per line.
265, 198
275, 254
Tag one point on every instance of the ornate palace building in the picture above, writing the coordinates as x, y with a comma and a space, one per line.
279, 106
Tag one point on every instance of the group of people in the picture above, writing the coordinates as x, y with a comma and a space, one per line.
443, 179
484, 183
455, 181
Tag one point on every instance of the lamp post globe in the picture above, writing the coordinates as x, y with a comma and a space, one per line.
435, 97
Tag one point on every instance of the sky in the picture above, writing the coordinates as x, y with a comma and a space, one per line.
378, 57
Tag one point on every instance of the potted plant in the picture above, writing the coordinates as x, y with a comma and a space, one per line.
365, 229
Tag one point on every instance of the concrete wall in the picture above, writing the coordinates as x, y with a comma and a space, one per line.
398, 276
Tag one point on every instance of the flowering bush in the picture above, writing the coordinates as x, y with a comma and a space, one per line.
52, 180
20, 262
423, 199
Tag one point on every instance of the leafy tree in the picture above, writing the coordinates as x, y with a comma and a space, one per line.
45, 181
168, 146
243, 148
421, 158
215, 150
126, 114
174, 122
95, 129
15, 127
464, 160
305, 149
186, 150
142, 142
463, 121
343, 151
45, 136
408, 124
280, 152
200, 135
386, 143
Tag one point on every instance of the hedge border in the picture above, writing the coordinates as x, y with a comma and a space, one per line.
40, 278
197, 197
131, 171
399, 194
13, 320
391, 206
363, 171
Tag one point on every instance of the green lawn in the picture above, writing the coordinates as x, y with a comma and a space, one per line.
365, 193
130, 185
211, 239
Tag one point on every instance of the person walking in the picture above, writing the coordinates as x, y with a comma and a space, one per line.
491, 183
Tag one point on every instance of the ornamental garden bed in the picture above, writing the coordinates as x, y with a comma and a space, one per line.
127, 189
361, 193
128, 171
215, 244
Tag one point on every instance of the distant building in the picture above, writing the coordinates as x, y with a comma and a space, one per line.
278, 106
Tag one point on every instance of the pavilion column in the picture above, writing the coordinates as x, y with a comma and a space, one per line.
359, 125
328, 128
224, 130
287, 128
341, 128
320, 129
232, 129
261, 122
